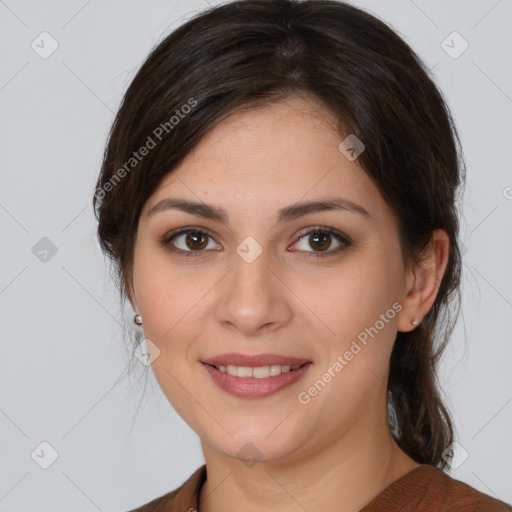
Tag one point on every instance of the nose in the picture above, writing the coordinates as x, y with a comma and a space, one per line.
254, 297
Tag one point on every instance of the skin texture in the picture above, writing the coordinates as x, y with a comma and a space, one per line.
335, 452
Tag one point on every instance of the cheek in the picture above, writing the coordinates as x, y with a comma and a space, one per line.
161, 290
349, 297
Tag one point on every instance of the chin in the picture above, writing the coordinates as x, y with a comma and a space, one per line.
257, 446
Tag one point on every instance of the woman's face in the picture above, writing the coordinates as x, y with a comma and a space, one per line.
263, 282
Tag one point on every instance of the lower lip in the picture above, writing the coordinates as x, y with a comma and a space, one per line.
255, 388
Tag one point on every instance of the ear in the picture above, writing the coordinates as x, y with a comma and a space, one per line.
130, 294
423, 280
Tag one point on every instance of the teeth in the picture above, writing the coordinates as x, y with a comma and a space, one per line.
258, 372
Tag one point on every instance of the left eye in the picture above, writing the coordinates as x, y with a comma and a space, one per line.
195, 241
322, 239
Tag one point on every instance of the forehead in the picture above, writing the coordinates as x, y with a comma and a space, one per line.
264, 159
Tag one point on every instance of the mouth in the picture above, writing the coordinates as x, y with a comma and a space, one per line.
256, 372
252, 382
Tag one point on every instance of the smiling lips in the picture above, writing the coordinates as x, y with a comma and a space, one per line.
255, 376
258, 366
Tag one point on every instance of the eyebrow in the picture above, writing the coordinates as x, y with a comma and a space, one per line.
287, 214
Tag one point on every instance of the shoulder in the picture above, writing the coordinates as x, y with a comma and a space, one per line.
427, 488
184, 498
457, 495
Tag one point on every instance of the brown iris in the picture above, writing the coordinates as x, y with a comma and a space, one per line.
194, 237
317, 240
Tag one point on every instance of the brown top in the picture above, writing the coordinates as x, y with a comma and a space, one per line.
425, 488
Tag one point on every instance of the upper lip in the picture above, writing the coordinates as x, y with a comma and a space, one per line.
254, 360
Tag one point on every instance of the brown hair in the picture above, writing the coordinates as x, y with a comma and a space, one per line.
255, 52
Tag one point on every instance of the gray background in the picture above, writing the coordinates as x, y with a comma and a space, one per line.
63, 365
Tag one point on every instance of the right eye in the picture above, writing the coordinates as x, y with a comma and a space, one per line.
193, 241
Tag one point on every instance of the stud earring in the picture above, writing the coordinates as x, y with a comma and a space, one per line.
414, 321
137, 319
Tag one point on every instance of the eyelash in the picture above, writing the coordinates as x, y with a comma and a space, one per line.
346, 241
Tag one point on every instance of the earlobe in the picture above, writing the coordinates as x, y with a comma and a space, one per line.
408, 317
423, 281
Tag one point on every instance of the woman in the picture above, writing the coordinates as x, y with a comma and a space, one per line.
278, 195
